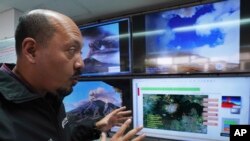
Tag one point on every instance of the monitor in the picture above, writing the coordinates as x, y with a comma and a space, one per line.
192, 109
204, 38
92, 100
106, 48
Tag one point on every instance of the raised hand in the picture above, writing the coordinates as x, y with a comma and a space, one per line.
115, 118
119, 135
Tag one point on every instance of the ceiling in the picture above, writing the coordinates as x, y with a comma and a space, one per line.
84, 11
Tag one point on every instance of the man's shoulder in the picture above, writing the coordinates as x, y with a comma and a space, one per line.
14, 90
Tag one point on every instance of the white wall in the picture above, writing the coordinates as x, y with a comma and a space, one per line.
8, 23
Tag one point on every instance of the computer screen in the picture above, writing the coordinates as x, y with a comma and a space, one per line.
192, 109
205, 38
92, 100
106, 48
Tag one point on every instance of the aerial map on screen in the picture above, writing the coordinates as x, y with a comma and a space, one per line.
203, 38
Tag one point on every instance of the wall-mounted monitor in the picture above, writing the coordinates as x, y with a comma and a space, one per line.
92, 100
205, 38
106, 48
191, 109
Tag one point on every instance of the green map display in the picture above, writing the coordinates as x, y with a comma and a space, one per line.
174, 112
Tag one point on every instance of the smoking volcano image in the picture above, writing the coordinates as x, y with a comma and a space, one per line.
92, 100
101, 50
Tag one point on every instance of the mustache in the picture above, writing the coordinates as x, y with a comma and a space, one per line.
77, 74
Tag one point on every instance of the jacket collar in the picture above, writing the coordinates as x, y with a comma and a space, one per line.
13, 89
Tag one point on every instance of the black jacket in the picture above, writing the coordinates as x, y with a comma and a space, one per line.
27, 116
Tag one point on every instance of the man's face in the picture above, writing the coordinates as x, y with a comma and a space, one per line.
60, 61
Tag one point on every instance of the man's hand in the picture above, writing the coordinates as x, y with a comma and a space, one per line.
103, 136
115, 118
119, 135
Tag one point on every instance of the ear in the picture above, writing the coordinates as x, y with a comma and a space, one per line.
29, 48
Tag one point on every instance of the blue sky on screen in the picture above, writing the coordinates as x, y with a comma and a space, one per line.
210, 30
81, 92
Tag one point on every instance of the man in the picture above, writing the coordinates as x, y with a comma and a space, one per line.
48, 48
